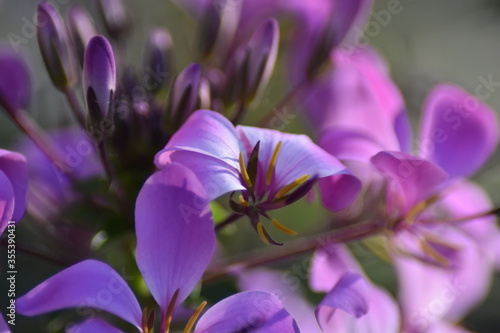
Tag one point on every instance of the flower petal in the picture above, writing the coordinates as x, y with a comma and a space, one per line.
175, 233
89, 283
4, 328
286, 286
298, 156
15, 83
458, 132
7, 201
13, 165
249, 311
349, 295
92, 326
410, 179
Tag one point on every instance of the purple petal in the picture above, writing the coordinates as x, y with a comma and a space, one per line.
99, 74
175, 233
89, 283
249, 311
93, 326
13, 165
429, 293
286, 286
187, 82
4, 328
7, 201
298, 156
329, 264
208, 133
339, 191
348, 144
15, 83
458, 132
410, 179
349, 294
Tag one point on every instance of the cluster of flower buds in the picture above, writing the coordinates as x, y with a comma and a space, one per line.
159, 168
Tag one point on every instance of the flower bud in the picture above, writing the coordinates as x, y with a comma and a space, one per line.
15, 85
82, 29
184, 95
55, 46
116, 18
158, 59
208, 31
254, 63
99, 79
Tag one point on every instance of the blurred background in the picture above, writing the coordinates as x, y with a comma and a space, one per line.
428, 42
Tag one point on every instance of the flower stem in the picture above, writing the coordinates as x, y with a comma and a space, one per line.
75, 106
299, 247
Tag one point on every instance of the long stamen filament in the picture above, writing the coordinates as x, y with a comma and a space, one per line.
243, 202
433, 253
282, 228
244, 172
194, 317
285, 189
272, 163
170, 311
262, 235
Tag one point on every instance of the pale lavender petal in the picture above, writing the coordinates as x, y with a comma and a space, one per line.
458, 132
349, 144
7, 201
13, 165
286, 286
350, 295
175, 233
298, 156
93, 326
329, 264
208, 133
89, 283
430, 293
410, 179
249, 311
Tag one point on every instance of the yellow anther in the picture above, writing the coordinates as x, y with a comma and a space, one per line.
413, 213
244, 172
282, 228
194, 317
243, 202
170, 311
272, 163
285, 189
431, 252
262, 235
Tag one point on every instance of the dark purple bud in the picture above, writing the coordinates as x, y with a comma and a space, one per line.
158, 59
82, 29
262, 57
344, 15
116, 18
15, 85
209, 30
55, 46
254, 64
184, 95
99, 78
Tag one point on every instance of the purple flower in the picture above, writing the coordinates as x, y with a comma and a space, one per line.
184, 96
13, 187
175, 243
15, 83
55, 46
99, 78
82, 29
270, 168
4, 328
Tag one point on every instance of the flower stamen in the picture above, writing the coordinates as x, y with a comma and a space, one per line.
242, 201
286, 189
170, 312
282, 228
244, 172
272, 163
194, 317
262, 234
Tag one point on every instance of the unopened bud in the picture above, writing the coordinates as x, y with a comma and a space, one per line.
99, 79
55, 46
209, 30
159, 59
15, 85
184, 95
116, 18
82, 29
